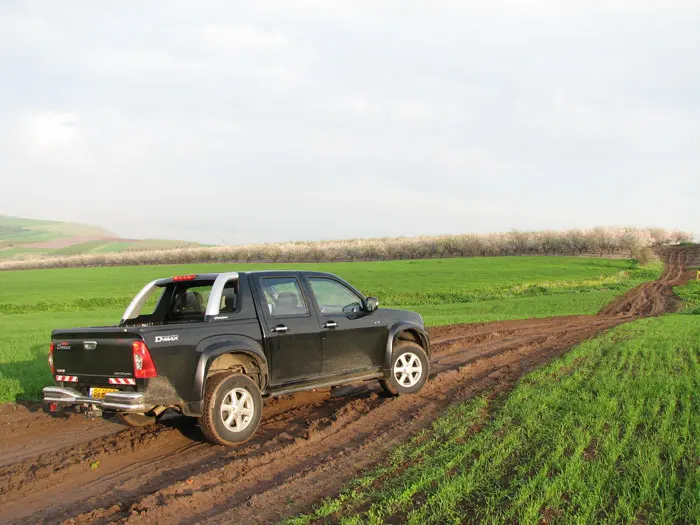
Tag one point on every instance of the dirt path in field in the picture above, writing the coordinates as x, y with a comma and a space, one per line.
308, 445
657, 297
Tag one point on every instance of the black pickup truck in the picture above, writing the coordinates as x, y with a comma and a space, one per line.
213, 345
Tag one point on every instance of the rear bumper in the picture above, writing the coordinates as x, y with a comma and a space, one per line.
117, 401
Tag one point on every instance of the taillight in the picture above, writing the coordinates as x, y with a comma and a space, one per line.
51, 347
180, 278
143, 364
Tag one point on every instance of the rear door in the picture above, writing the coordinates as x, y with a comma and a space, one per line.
352, 339
93, 356
291, 330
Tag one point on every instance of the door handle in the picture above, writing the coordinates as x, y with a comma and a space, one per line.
280, 328
330, 324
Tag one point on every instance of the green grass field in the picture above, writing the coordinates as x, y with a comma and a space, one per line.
17, 235
17, 231
33, 302
606, 434
423, 282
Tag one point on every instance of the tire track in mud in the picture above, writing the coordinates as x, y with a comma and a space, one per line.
24, 431
308, 444
656, 297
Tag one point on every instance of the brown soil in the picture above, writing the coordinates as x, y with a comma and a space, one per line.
76, 471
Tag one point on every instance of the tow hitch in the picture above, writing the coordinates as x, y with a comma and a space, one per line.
88, 410
91, 411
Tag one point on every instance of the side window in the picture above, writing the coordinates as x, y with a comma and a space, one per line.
283, 296
333, 297
229, 297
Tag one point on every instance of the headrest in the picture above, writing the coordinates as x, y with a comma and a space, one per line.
287, 299
229, 295
194, 302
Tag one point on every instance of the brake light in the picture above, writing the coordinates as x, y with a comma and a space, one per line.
143, 364
53, 369
180, 278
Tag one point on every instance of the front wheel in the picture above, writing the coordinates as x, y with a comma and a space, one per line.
232, 409
409, 369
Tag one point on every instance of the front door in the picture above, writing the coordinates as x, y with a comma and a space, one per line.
353, 340
293, 339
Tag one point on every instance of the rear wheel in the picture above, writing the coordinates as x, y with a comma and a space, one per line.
409, 369
232, 409
135, 420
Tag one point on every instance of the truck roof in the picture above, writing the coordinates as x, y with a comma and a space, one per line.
212, 276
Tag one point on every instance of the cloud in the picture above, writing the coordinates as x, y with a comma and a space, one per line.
239, 40
51, 129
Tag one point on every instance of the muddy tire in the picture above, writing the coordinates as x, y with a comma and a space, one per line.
135, 420
232, 408
409, 369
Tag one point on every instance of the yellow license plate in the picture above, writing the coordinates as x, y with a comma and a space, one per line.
99, 393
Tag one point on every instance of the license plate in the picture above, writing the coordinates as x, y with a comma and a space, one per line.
99, 393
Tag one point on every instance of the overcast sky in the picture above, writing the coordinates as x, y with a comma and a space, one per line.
264, 121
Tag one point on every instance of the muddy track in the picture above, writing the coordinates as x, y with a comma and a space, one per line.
308, 444
657, 297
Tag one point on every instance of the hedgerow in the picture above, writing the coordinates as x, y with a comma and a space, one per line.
597, 241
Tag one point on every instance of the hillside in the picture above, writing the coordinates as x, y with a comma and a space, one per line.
27, 238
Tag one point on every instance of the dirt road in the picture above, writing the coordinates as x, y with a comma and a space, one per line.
308, 445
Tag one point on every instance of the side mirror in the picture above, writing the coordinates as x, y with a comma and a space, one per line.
371, 304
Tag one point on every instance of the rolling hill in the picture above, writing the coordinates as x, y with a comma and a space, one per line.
25, 238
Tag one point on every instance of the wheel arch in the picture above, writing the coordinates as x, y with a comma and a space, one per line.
405, 331
227, 352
